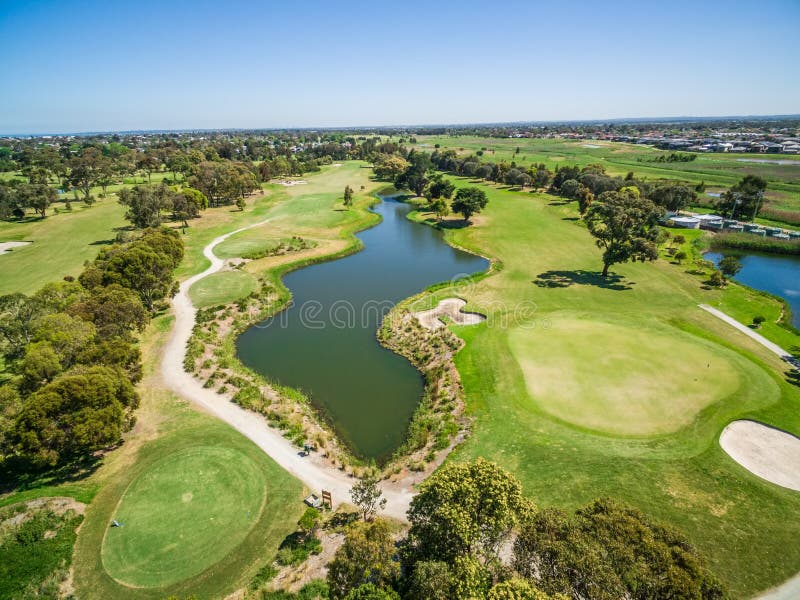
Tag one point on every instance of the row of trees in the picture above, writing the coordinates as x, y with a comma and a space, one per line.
474, 535
72, 353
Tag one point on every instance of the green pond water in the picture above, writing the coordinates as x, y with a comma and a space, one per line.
324, 344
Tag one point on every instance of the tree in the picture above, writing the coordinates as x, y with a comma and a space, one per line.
348, 196
415, 177
388, 167
75, 414
717, 279
145, 204
680, 256
673, 197
441, 188
624, 226
469, 201
570, 188
368, 497
744, 198
114, 310
38, 197
430, 580
585, 199
519, 589
367, 556
730, 266
757, 321
369, 591
144, 266
463, 510
85, 170
440, 207
18, 317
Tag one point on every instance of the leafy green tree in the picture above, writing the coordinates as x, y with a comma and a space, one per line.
441, 208
681, 256
40, 365
469, 201
430, 580
367, 556
585, 199
146, 203
520, 589
65, 334
85, 170
416, 176
113, 309
717, 279
368, 497
673, 197
757, 321
38, 197
463, 510
744, 199
569, 189
18, 316
441, 188
625, 227
348, 196
730, 266
77, 413
369, 591
388, 167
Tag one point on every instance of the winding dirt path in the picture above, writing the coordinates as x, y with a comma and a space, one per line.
312, 471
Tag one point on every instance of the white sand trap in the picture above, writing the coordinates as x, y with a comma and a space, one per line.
6, 246
770, 453
591, 145
451, 308
291, 183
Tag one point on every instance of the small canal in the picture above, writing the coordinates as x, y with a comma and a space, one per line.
774, 273
324, 344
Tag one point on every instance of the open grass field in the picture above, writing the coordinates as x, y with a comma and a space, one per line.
60, 244
620, 388
717, 170
222, 288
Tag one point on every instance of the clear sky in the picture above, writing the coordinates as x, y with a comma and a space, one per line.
112, 65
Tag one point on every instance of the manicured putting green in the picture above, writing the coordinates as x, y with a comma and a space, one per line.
222, 288
621, 379
183, 515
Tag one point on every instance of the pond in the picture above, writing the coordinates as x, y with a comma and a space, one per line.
324, 344
774, 273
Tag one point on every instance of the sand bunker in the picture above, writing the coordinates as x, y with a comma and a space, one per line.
771, 454
6, 246
291, 183
451, 308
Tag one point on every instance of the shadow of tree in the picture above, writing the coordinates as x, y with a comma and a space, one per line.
17, 474
558, 203
563, 279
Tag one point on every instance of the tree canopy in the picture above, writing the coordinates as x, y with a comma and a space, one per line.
624, 226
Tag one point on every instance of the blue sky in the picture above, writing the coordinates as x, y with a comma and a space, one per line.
80, 66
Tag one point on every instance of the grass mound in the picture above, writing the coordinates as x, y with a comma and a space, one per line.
182, 515
619, 379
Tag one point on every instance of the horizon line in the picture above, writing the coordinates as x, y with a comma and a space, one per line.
617, 120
